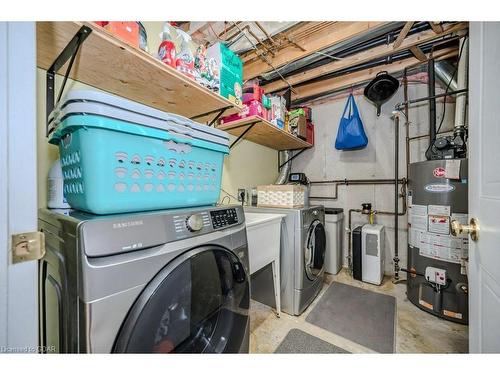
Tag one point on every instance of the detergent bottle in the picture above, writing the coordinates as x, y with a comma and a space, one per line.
185, 58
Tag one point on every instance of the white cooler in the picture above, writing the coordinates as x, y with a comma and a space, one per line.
334, 227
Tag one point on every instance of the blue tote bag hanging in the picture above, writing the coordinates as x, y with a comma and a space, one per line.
351, 134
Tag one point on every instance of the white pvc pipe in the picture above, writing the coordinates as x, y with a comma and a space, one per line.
462, 82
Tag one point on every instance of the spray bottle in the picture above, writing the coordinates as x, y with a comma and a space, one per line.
185, 58
166, 51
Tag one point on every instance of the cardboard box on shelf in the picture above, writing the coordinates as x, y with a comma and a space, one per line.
298, 125
227, 70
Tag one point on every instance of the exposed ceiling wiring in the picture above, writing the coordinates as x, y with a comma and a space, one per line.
329, 56
263, 56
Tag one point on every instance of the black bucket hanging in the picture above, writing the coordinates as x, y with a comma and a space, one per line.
381, 89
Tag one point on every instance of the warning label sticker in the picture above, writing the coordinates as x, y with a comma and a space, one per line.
436, 246
439, 224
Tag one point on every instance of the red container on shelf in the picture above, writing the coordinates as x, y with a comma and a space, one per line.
253, 108
166, 52
310, 132
126, 31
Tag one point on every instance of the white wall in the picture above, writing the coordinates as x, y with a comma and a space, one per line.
18, 282
324, 162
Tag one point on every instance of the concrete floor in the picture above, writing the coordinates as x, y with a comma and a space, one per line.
416, 330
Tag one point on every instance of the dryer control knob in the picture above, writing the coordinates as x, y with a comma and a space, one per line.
194, 223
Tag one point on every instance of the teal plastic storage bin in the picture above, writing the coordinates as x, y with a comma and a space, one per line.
112, 166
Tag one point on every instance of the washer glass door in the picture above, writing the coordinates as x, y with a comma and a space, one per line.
198, 303
314, 253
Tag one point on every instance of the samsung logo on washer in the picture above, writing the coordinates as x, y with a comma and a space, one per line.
127, 224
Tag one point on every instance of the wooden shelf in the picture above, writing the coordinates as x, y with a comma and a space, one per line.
112, 65
264, 133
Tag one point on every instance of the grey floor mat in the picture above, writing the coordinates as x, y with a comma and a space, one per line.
359, 315
297, 341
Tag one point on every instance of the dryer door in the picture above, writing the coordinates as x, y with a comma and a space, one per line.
198, 303
314, 253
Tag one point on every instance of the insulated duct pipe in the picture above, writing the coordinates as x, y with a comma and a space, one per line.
462, 83
285, 169
445, 71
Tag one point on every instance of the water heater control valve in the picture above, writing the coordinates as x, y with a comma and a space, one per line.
435, 275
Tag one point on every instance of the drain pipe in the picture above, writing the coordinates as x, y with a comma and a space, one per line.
432, 107
462, 82
396, 195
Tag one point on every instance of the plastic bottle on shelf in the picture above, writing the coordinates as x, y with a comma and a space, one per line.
166, 50
185, 58
55, 184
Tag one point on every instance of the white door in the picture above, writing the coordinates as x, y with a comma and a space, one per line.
18, 188
484, 190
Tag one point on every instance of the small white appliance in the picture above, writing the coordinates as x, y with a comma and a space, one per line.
373, 254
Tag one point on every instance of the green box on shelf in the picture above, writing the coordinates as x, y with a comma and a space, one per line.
228, 72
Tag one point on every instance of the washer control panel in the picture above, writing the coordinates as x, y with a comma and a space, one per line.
194, 222
185, 225
224, 218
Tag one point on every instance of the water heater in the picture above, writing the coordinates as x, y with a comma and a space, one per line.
373, 254
437, 194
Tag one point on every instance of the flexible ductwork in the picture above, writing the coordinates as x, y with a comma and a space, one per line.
462, 83
444, 72
285, 170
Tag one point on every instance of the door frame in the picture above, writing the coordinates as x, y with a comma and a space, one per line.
18, 184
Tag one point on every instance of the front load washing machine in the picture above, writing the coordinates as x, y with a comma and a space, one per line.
302, 259
158, 282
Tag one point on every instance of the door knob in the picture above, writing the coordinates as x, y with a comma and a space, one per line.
472, 228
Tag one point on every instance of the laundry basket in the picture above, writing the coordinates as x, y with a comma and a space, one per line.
121, 156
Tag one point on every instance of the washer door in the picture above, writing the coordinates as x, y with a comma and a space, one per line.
314, 252
198, 303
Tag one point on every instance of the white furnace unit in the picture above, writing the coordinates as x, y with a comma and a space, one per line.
373, 254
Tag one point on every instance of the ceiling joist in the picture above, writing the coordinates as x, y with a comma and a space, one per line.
348, 80
417, 52
436, 27
363, 57
327, 36
403, 33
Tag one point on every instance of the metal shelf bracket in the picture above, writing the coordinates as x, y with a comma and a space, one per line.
243, 134
68, 53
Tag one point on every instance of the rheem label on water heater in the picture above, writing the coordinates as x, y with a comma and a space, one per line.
439, 188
